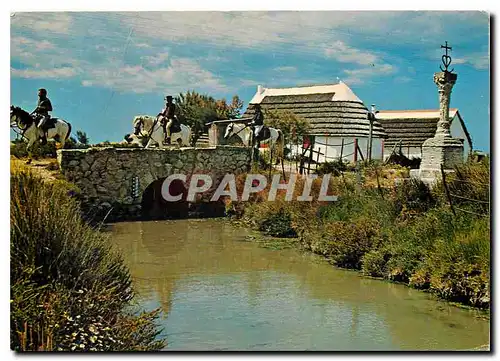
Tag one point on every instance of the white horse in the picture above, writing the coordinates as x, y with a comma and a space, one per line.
150, 127
275, 138
133, 139
28, 129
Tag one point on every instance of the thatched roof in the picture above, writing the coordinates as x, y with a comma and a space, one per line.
331, 109
413, 127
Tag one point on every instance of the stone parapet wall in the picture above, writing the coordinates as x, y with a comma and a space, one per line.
109, 175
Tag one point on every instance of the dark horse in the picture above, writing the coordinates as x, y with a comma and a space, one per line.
57, 129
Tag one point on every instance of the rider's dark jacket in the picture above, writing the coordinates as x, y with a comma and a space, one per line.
43, 107
258, 118
169, 111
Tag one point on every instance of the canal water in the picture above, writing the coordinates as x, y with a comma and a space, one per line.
219, 292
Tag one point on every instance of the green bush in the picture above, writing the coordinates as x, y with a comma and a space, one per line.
352, 205
458, 268
413, 196
334, 168
278, 225
374, 263
469, 187
349, 241
18, 149
66, 280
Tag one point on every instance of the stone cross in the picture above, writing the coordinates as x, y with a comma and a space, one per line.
444, 81
441, 151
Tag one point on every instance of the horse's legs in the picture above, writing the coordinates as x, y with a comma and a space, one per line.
150, 141
29, 148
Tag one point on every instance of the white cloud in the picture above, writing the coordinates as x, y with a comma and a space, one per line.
21, 41
151, 73
181, 73
141, 45
54, 22
155, 60
359, 76
252, 29
478, 61
285, 69
55, 73
383, 69
402, 79
311, 34
304, 30
344, 53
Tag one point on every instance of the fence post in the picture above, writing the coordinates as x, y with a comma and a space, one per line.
447, 191
283, 169
317, 159
311, 146
341, 150
360, 152
355, 150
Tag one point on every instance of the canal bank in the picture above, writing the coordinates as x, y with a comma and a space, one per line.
403, 232
220, 292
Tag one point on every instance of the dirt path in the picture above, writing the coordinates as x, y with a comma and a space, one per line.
41, 167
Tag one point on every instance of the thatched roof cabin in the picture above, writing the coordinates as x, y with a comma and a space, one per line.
413, 127
332, 110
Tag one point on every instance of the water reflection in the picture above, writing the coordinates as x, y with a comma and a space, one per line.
222, 293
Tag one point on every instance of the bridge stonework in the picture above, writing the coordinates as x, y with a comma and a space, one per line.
116, 178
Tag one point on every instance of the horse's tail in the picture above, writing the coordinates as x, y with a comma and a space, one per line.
69, 131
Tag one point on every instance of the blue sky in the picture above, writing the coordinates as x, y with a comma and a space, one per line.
102, 69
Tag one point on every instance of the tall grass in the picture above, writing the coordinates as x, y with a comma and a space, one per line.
69, 289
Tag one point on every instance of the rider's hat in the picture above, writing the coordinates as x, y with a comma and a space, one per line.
168, 97
43, 91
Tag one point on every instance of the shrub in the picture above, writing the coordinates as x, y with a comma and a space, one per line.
278, 225
458, 267
334, 168
374, 263
351, 205
412, 197
62, 271
349, 241
469, 186
18, 149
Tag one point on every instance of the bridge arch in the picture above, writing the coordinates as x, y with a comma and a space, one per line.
154, 206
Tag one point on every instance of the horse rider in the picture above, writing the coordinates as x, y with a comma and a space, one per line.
42, 110
168, 117
257, 122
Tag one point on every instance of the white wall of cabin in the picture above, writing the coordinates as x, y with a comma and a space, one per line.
457, 131
331, 148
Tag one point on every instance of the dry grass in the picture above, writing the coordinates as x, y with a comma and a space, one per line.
66, 279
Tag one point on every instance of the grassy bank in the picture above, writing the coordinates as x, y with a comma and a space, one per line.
404, 233
70, 291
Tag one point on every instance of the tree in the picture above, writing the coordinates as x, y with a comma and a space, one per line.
196, 110
82, 137
294, 128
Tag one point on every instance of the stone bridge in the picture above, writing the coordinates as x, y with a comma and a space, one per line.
128, 181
